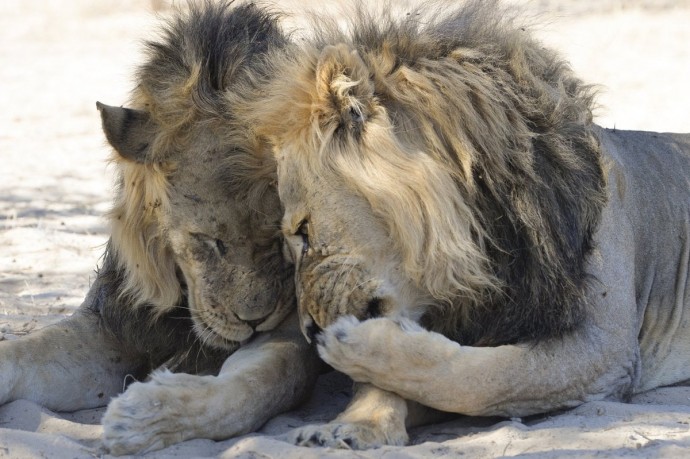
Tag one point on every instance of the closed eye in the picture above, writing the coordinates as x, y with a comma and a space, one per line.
303, 230
217, 245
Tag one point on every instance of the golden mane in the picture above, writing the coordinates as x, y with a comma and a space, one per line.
138, 243
471, 141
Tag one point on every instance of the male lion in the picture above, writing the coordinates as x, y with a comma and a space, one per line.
446, 175
193, 269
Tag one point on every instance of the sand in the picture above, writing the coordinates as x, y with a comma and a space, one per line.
59, 57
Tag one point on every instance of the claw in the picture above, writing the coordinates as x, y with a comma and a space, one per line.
309, 328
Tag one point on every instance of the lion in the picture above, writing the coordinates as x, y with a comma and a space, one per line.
192, 283
465, 238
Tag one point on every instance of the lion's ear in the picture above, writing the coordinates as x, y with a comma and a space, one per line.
130, 132
343, 84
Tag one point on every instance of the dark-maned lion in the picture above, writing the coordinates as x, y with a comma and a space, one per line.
445, 175
193, 271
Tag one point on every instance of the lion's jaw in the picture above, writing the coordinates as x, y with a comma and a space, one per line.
332, 286
229, 305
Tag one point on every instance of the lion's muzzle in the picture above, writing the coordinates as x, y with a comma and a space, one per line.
334, 286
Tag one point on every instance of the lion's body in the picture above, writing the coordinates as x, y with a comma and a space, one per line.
447, 173
648, 183
192, 278
634, 337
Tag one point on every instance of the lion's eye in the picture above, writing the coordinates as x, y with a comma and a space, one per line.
303, 230
220, 245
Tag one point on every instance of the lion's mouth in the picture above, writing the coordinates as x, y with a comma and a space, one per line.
218, 327
221, 332
218, 317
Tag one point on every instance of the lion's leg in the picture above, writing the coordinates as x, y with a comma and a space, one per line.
599, 359
374, 417
67, 366
270, 375
504, 380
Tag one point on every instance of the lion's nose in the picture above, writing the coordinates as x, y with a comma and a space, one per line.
374, 308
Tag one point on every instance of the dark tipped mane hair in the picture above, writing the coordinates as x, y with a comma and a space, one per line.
203, 51
536, 183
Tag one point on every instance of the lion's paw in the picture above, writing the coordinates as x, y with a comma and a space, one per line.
345, 346
146, 417
345, 435
362, 350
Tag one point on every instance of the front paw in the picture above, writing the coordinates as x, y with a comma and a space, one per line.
341, 346
365, 351
147, 417
346, 435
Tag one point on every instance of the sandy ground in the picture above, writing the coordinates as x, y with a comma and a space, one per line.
58, 57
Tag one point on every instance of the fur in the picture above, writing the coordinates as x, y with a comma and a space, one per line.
192, 278
473, 143
443, 167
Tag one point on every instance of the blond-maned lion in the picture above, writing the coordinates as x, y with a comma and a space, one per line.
193, 280
492, 251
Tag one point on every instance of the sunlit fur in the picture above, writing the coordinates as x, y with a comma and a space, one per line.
470, 140
137, 240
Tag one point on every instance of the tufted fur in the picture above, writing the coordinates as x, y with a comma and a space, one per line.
473, 143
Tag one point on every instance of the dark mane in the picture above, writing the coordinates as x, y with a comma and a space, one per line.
203, 52
515, 124
206, 58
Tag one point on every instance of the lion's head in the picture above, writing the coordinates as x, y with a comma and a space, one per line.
181, 224
444, 170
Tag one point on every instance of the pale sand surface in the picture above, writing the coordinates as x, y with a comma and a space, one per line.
58, 57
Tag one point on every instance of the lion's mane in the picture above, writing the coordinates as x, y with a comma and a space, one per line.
203, 52
182, 83
477, 150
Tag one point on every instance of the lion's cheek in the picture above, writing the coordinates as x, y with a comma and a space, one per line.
241, 292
